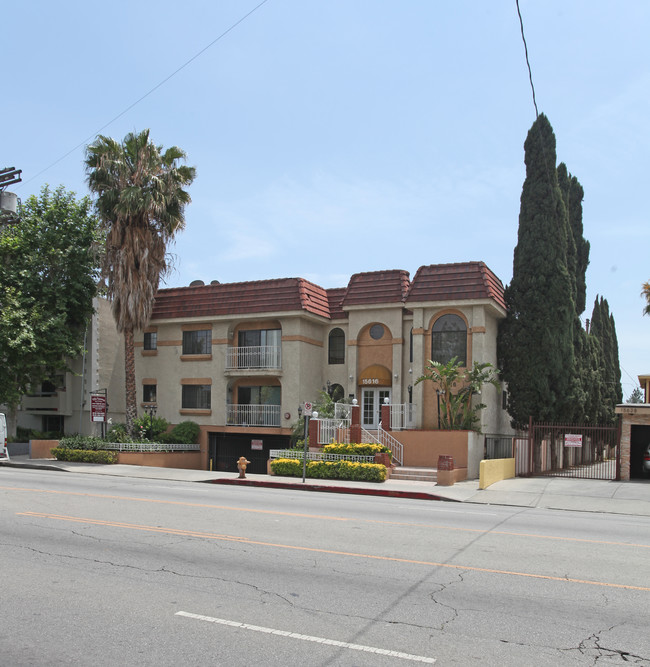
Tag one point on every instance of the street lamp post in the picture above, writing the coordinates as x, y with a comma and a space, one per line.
151, 411
439, 393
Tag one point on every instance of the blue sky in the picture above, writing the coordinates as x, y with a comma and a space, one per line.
343, 136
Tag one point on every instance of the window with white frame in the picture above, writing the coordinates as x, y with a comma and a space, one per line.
151, 340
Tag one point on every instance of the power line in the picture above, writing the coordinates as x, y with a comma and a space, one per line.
530, 74
158, 85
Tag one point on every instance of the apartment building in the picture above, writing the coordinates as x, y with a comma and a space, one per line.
240, 358
63, 403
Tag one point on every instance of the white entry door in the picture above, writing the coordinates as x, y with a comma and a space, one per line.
372, 400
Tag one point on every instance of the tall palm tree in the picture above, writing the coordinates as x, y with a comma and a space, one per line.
141, 203
646, 293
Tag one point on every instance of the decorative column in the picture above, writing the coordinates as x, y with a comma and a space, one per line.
355, 423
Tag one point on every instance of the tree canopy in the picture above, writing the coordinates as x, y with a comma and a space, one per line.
48, 279
645, 293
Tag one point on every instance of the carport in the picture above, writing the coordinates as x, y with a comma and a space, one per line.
635, 436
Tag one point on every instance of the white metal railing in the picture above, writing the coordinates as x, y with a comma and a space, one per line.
255, 356
150, 447
331, 430
252, 415
395, 446
402, 416
318, 456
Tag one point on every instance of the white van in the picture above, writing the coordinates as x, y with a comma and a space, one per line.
4, 452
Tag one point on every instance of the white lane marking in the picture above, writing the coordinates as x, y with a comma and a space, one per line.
308, 638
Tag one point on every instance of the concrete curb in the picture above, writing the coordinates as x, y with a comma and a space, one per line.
33, 466
357, 491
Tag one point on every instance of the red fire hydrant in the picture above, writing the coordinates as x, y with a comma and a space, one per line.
241, 466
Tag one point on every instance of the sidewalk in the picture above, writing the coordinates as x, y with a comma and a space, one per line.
581, 495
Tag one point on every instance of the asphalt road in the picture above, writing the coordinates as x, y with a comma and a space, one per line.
113, 571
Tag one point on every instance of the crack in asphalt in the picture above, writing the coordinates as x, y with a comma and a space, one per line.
441, 588
591, 647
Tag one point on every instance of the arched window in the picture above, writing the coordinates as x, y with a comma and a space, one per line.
337, 393
449, 339
336, 347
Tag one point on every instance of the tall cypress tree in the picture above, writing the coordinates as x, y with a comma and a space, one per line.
578, 247
536, 340
577, 262
603, 328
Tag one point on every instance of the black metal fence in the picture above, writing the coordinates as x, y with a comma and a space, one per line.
498, 446
568, 450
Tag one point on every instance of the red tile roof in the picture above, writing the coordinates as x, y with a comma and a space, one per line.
376, 287
455, 282
335, 297
437, 282
260, 296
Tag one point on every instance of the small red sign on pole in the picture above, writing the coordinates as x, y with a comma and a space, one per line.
97, 408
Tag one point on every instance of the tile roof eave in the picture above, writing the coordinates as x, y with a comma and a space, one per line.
255, 315
459, 303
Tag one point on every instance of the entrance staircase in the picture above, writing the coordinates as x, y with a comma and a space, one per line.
414, 474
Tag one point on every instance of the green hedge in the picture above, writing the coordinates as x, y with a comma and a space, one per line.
360, 472
85, 442
361, 449
84, 455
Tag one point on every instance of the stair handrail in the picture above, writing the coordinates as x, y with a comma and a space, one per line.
386, 439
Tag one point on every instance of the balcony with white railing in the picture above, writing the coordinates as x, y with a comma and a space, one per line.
255, 357
252, 415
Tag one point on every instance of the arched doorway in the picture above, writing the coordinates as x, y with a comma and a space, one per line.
375, 385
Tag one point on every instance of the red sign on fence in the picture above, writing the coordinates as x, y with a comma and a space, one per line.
572, 440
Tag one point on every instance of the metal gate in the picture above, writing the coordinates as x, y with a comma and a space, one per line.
569, 450
226, 448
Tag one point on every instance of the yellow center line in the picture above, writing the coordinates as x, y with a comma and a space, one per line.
326, 517
244, 540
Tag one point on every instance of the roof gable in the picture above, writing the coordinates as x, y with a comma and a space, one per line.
376, 287
455, 282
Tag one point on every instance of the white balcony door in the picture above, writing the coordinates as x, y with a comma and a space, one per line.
371, 402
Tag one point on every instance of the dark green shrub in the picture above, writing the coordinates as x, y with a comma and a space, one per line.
186, 433
147, 426
86, 442
84, 455
117, 433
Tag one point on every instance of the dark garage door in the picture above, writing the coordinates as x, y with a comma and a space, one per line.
226, 448
639, 440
